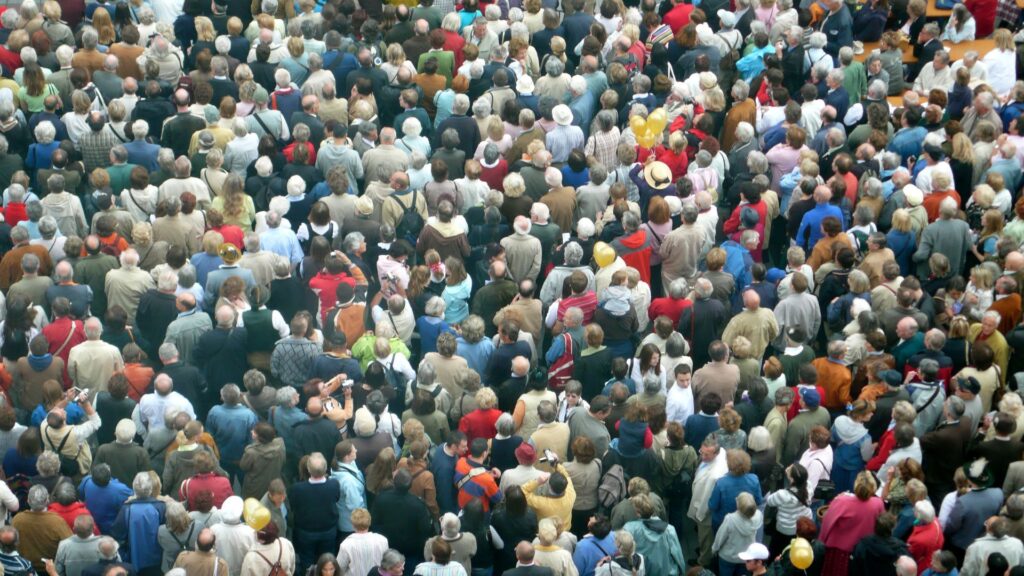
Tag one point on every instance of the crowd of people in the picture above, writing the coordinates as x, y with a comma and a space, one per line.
512, 287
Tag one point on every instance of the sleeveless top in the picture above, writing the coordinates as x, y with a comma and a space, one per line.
531, 420
260, 332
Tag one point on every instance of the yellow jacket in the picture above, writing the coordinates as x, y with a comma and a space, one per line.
546, 506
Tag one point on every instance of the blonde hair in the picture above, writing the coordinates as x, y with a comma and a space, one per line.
901, 221
395, 54
204, 29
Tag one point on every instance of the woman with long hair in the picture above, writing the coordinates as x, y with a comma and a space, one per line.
457, 292
396, 60
234, 204
790, 504
379, 474
961, 26
104, 26
17, 330
34, 89
648, 361
515, 523
317, 225
1001, 62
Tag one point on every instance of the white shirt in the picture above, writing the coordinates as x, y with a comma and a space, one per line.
360, 552
770, 117
924, 179
679, 403
149, 414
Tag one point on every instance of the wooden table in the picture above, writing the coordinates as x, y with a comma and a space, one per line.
934, 11
956, 51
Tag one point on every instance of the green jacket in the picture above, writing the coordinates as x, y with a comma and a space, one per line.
92, 271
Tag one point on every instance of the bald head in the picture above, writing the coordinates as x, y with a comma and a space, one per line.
1014, 261
525, 552
163, 384
498, 269
751, 300
205, 540
520, 365
314, 407
225, 317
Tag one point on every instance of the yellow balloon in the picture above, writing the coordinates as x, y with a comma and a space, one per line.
801, 555
604, 254
249, 507
259, 519
646, 140
657, 120
638, 124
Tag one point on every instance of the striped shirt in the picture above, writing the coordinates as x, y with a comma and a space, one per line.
435, 569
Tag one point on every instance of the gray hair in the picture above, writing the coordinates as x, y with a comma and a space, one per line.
143, 485
286, 396
744, 132
38, 498
425, 374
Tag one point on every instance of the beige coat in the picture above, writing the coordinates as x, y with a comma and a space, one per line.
124, 288
554, 437
523, 255
92, 363
758, 326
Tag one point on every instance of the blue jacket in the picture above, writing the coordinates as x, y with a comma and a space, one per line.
104, 502
737, 262
353, 493
907, 142
903, 245
443, 468
838, 28
698, 426
589, 552
810, 227
231, 427
136, 528
284, 421
728, 487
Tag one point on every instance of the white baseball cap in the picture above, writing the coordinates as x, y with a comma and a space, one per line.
755, 551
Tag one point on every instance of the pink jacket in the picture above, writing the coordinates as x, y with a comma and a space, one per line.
848, 520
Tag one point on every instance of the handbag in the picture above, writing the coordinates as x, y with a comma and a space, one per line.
826, 489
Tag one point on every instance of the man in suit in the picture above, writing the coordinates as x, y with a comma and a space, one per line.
221, 83
419, 43
791, 54
944, 449
524, 563
308, 116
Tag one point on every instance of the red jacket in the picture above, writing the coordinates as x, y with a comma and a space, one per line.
495, 175
191, 487
669, 307
678, 16
984, 12
15, 212
924, 541
62, 338
325, 285
479, 424
635, 251
885, 445
72, 511
232, 235
676, 162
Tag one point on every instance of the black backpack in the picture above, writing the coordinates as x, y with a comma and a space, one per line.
411, 223
68, 465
